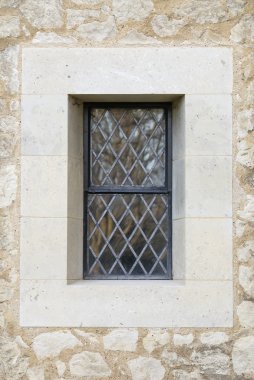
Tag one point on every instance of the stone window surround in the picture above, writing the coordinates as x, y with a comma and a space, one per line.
52, 290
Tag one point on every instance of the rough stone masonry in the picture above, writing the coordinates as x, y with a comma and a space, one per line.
120, 354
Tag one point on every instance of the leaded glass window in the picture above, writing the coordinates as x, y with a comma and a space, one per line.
127, 218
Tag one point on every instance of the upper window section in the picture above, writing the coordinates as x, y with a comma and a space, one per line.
128, 147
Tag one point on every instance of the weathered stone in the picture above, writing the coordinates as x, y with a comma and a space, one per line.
181, 340
134, 37
245, 312
9, 26
97, 31
5, 291
86, 2
6, 233
12, 365
248, 212
246, 279
180, 374
89, 364
245, 123
203, 11
8, 185
173, 360
76, 17
8, 135
20, 342
212, 362
155, 338
249, 97
131, 9
144, 368
164, 27
43, 14
243, 31
242, 355
236, 6
245, 155
246, 252
90, 337
121, 340
9, 3
35, 373
9, 68
51, 344
52, 38
214, 338
61, 367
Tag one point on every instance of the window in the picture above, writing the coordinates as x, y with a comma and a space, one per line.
127, 213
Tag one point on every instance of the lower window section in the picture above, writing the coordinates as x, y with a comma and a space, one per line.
127, 236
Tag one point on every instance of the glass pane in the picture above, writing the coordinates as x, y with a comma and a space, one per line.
128, 147
127, 235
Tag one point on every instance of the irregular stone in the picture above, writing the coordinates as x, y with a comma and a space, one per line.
35, 373
5, 291
164, 27
12, 365
242, 355
203, 11
248, 212
133, 37
236, 6
92, 338
9, 68
243, 31
43, 14
75, 17
51, 344
52, 38
155, 338
245, 155
9, 3
239, 228
121, 340
246, 279
245, 312
181, 340
8, 185
249, 97
214, 338
180, 374
212, 362
144, 368
246, 252
97, 31
9, 26
173, 360
20, 342
131, 9
61, 367
89, 364
6, 233
245, 123
8, 135
86, 2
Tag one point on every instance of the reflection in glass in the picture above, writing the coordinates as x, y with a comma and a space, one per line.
128, 147
127, 235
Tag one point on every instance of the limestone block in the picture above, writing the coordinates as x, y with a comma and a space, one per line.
8, 185
9, 26
182, 340
121, 340
242, 355
155, 338
245, 312
214, 338
144, 368
131, 9
97, 31
89, 364
43, 14
212, 362
51, 344
164, 27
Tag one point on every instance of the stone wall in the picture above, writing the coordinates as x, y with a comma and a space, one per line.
139, 354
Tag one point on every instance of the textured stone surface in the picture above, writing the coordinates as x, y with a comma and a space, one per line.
89, 364
246, 252
61, 367
121, 340
51, 37
5, 291
155, 338
35, 373
9, 3
144, 368
212, 362
45, 15
203, 11
12, 365
86, 2
134, 37
8, 185
245, 155
9, 68
51, 344
246, 279
9, 26
97, 31
214, 339
164, 27
131, 9
184, 375
245, 312
242, 355
8, 135
75, 17
243, 31
181, 340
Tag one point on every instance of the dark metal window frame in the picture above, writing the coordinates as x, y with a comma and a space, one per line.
88, 189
